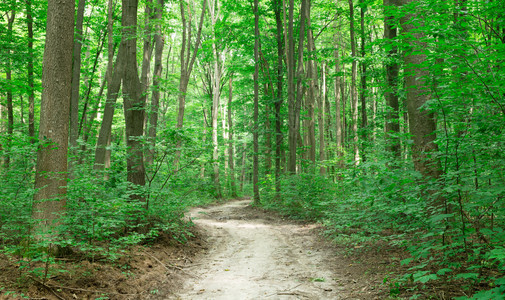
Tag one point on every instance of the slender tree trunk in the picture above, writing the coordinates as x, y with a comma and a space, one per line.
8, 76
147, 53
187, 60
354, 93
158, 68
31, 85
230, 141
391, 94
321, 119
216, 84
338, 99
104, 136
76, 75
291, 91
363, 91
256, 190
313, 91
279, 98
51, 174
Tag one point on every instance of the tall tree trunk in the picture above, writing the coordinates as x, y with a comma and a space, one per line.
391, 93
354, 93
51, 170
363, 91
76, 75
421, 121
31, 85
313, 91
187, 60
158, 68
256, 190
147, 53
321, 121
102, 155
291, 91
11, 16
230, 141
338, 103
216, 88
132, 98
279, 98
295, 101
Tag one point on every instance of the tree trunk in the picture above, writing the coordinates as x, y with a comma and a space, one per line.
294, 101
313, 91
391, 93
101, 157
279, 98
216, 94
51, 174
230, 142
11, 16
187, 61
132, 98
31, 85
256, 190
338, 99
421, 121
363, 92
354, 93
321, 120
291, 91
76, 75
158, 68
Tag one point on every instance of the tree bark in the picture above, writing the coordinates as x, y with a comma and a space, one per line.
421, 121
31, 85
132, 98
11, 16
338, 109
256, 191
230, 141
158, 68
76, 75
279, 98
313, 91
354, 93
51, 170
391, 93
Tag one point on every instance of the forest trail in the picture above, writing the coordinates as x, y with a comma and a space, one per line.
256, 256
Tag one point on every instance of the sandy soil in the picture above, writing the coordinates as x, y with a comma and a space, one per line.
254, 256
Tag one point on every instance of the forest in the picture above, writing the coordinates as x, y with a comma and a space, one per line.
382, 120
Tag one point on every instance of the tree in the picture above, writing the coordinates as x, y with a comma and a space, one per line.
132, 97
421, 121
391, 89
354, 92
256, 100
76, 74
51, 175
187, 60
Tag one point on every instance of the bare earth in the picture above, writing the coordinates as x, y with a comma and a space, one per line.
254, 256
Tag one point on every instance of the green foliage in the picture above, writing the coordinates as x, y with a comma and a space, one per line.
304, 196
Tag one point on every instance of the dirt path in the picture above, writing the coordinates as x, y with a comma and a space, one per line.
254, 256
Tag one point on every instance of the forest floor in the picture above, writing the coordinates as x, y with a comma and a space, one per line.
238, 252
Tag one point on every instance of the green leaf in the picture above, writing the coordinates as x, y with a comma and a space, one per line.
426, 278
443, 271
467, 276
406, 261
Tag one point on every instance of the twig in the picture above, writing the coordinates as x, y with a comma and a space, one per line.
47, 288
